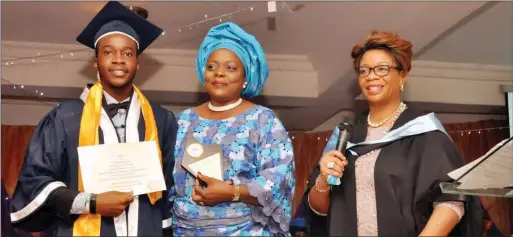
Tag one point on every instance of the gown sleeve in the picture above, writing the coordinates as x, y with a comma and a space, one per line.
168, 161
275, 182
41, 194
318, 225
438, 157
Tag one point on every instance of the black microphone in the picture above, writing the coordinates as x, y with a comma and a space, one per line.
346, 130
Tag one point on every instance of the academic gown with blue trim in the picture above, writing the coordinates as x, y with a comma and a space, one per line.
51, 156
407, 174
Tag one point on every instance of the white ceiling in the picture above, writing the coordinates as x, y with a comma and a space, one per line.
324, 31
488, 39
61, 21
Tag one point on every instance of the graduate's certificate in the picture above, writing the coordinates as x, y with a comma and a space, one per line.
121, 167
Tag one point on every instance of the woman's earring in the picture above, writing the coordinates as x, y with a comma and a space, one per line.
402, 88
244, 85
98, 75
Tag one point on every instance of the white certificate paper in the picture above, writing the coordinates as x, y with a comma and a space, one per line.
121, 167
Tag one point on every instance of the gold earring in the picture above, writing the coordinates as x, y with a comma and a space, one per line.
98, 75
402, 88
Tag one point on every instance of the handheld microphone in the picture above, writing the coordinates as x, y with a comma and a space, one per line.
345, 131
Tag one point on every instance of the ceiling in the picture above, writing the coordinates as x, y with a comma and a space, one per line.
487, 39
477, 32
66, 19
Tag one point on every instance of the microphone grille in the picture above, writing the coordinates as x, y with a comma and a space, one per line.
346, 124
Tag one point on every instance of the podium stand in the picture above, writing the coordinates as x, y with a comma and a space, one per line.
452, 188
506, 192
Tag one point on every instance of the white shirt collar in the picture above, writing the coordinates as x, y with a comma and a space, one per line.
110, 100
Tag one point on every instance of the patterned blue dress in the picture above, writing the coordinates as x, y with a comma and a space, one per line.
257, 152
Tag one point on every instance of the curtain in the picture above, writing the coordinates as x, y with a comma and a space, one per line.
14, 143
308, 147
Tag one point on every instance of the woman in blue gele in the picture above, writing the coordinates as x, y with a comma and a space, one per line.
255, 194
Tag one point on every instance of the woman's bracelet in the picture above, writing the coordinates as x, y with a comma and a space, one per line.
313, 210
318, 188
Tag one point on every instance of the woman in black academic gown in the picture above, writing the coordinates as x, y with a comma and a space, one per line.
387, 182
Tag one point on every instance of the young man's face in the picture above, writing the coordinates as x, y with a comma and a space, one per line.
116, 60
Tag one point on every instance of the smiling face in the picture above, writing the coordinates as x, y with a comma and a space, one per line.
224, 76
380, 77
116, 61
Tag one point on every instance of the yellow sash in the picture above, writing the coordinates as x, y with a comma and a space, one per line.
90, 224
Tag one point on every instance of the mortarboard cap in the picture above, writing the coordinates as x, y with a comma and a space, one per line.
117, 18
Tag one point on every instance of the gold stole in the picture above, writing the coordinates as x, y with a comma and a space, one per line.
90, 224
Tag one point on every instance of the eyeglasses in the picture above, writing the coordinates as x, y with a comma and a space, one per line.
380, 70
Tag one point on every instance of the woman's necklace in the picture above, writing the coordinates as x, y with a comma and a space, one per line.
225, 107
386, 129
394, 115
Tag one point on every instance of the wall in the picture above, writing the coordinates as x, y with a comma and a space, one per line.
26, 112
456, 83
19, 112
450, 83
161, 70
443, 117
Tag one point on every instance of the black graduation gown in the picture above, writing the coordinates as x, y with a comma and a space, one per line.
7, 227
407, 174
52, 156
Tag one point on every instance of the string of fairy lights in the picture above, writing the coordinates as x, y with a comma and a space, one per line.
219, 18
461, 132
271, 5
190, 26
71, 55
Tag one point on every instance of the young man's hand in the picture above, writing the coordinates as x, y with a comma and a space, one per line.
113, 203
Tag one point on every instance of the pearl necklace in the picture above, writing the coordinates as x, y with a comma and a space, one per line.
224, 108
387, 129
394, 115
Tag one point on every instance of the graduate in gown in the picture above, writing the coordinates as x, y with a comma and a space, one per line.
49, 193
387, 182
256, 196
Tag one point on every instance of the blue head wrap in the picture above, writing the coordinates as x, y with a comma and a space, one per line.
230, 36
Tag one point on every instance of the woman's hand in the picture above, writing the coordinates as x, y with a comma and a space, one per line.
215, 192
333, 163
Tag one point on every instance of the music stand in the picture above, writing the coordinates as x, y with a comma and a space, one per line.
452, 187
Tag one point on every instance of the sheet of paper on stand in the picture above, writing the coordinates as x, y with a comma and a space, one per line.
121, 167
493, 170
456, 174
